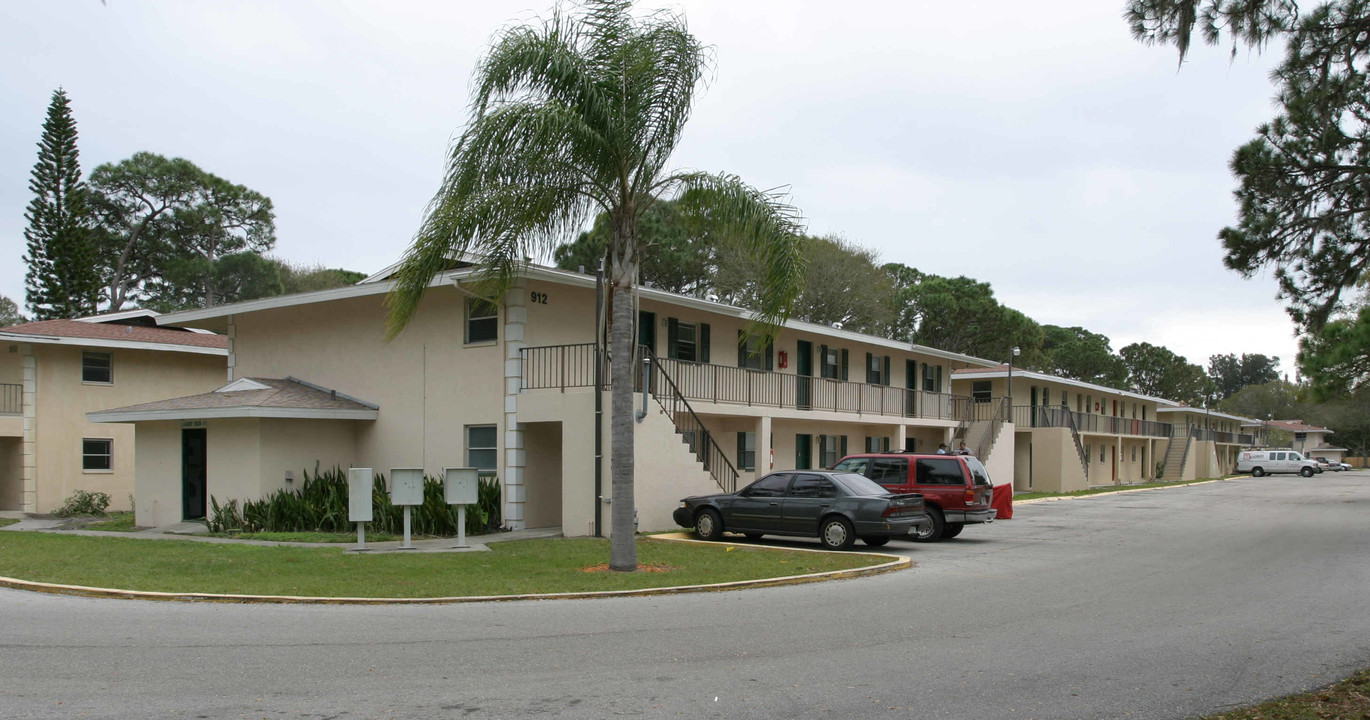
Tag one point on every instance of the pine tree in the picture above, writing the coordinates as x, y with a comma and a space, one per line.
62, 279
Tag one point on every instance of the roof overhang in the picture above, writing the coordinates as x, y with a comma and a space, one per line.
1206, 413
994, 374
108, 344
107, 416
215, 318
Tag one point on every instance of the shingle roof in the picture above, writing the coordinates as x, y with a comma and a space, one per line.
1297, 426
127, 333
259, 397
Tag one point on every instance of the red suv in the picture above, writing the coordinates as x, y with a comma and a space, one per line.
956, 488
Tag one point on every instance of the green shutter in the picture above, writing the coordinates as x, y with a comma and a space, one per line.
886, 379
842, 448
741, 449
672, 337
770, 356
703, 342
844, 363
939, 378
869, 357
822, 361
741, 349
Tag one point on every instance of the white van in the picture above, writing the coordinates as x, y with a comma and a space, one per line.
1264, 462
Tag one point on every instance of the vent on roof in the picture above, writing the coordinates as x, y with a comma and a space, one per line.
242, 385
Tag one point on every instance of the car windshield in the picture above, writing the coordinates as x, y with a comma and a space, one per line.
858, 485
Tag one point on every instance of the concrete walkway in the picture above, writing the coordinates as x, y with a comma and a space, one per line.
195, 532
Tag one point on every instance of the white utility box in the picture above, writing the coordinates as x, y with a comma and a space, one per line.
360, 482
406, 486
461, 485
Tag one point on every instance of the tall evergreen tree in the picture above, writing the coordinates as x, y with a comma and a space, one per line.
62, 280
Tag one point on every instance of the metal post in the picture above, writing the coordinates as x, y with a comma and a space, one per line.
408, 542
461, 527
361, 536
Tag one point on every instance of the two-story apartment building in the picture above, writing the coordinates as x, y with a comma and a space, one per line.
55, 371
1070, 434
1207, 442
1310, 440
510, 386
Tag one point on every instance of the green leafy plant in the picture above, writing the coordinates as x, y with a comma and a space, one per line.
84, 503
320, 505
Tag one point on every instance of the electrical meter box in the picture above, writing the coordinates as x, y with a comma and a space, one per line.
406, 486
360, 481
461, 485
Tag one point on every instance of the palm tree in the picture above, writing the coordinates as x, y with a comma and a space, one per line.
575, 115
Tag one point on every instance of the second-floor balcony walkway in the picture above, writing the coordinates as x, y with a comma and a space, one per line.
560, 367
11, 399
1030, 416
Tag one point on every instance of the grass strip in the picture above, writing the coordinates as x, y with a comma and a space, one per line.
308, 537
1349, 698
1105, 489
509, 568
117, 522
8, 521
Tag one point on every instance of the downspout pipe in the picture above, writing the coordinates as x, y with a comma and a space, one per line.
599, 400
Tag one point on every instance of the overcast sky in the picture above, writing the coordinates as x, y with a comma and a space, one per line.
1032, 145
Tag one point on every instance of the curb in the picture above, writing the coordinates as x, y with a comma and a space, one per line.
1131, 490
895, 562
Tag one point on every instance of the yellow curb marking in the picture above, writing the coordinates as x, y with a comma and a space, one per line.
896, 562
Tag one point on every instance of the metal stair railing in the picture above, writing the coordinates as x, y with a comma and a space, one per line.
1075, 435
985, 444
687, 424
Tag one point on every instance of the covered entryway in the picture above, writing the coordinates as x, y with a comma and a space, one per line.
542, 474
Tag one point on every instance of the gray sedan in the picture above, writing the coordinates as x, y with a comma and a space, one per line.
835, 507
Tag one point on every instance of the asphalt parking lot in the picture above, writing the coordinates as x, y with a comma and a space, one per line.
1162, 604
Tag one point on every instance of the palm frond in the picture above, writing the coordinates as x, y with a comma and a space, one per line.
763, 222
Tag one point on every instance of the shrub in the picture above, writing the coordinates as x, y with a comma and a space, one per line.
320, 505
84, 503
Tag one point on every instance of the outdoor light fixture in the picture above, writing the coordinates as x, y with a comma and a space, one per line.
1012, 354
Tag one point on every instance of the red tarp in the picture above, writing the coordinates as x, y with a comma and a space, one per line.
1002, 501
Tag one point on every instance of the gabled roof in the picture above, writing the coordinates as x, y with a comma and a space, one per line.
88, 333
249, 397
1297, 426
1182, 407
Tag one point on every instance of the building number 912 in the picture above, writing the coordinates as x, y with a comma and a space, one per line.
539, 298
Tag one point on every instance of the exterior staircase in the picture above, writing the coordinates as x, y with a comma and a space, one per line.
1177, 454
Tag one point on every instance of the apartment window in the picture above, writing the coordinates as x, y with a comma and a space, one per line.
746, 451
877, 369
97, 367
831, 448
1046, 396
751, 354
981, 391
932, 378
832, 363
1103, 452
482, 321
1134, 453
97, 454
877, 444
482, 447
687, 341
1300, 436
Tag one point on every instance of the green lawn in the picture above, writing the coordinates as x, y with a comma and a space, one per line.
510, 568
1348, 699
117, 522
1017, 496
8, 521
308, 537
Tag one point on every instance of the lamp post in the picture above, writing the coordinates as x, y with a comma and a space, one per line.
1012, 354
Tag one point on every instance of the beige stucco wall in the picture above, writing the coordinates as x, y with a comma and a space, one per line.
429, 384
11, 472
1055, 462
63, 400
543, 473
157, 489
234, 448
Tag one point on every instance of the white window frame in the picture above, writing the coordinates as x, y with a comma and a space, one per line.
472, 304
109, 358
108, 455
494, 449
680, 342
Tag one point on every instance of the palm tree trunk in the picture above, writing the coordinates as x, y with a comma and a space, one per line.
622, 543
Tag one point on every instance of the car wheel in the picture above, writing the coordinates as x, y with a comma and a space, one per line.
1306, 472
753, 536
836, 533
1258, 472
952, 530
708, 525
876, 541
933, 533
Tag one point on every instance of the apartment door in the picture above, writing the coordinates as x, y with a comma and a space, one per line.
646, 330
194, 473
803, 367
803, 452
1033, 405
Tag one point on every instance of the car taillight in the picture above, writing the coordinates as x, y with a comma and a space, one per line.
970, 495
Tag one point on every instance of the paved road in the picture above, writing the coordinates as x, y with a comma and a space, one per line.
1146, 605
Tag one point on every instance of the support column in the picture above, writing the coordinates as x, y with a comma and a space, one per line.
232, 333
29, 492
1118, 460
901, 437
515, 457
763, 445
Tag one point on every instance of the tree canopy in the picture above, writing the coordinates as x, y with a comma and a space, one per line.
9, 313
959, 314
1157, 371
1079, 354
1230, 373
